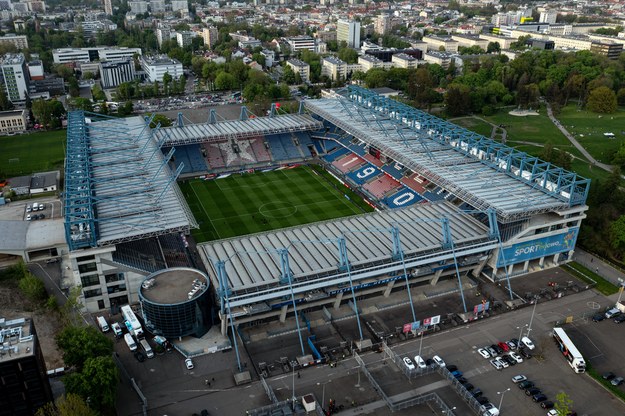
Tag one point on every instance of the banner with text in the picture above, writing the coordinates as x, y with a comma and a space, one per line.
534, 249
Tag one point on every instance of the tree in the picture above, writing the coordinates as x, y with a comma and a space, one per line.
97, 381
493, 47
126, 109
563, 404
348, 55
620, 97
81, 104
74, 89
225, 81
166, 81
5, 104
288, 75
81, 343
458, 100
161, 119
602, 100
617, 233
32, 288
68, 405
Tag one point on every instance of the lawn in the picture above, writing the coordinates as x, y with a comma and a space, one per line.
588, 129
474, 124
28, 153
249, 203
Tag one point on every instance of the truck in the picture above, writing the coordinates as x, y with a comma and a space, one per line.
132, 323
146, 347
104, 326
162, 341
130, 341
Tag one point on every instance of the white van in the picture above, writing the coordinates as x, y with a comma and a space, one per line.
35, 206
117, 330
146, 347
130, 341
104, 326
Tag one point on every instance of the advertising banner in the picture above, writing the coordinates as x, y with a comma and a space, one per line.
540, 247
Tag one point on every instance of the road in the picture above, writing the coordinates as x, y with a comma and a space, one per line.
574, 142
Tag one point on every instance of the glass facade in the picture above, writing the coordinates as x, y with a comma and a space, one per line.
178, 320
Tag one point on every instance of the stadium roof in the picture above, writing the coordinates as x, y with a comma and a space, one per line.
480, 171
118, 185
253, 263
236, 129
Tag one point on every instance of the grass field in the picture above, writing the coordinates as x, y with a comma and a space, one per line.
251, 203
28, 153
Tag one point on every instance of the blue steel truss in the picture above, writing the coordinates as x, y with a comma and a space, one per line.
118, 186
559, 183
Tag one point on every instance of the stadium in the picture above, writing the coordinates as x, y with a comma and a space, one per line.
356, 195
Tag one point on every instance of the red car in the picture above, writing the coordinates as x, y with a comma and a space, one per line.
504, 346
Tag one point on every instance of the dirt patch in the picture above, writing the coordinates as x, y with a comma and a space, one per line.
47, 324
523, 113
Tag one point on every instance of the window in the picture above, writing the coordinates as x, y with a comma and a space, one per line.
91, 280
92, 293
86, 268
84, 258
115, 277
100, 304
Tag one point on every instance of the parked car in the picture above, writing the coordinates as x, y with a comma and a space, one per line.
525, 353
547, 404
527, 384
608, 376
456, 373
528, 343
483, 352
617, 381
503, 346
476, 393
516, 343
462, 380
139, 356
539, 397
612, 313
532, 391
420, 362
451, 368
497, 348
619, 319
482, 400
491, 351
508, 359
28, 217
503, 363
516, 357
495, 363
518, 378
189, 364
598, 317
408, 362
469, 386
439, 361
511, 344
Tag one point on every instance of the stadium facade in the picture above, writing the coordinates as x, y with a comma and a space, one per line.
450, 203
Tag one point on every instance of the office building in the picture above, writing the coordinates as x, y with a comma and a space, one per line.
335, 68
116, 72
210, 36
164, 34
157, 66
383, 24
108, 7
12, 121
299, 43
300, 67
157, 6
35, 70
179, 5
15, 77
99, 53
441, 43
402, 60
607, 48
348, 31
138, 7
548, 16
24, 385
19, 41
185, 38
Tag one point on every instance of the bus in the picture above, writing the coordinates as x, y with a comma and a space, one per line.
568, 349
133, 324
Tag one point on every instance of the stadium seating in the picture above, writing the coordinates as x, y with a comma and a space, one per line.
330, 145
393, 170
277, 150
373, 160
436, 194
258, 147
245, 156
336, 154
174, 251
348, 163
214, 156
181, 156
194, 154
142, 254
402, 198
363, 174
415, 183
304, 142
319, 146
288, 145
381, 186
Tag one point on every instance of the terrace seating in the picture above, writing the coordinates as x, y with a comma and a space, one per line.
363, 174
319, 146
359, 149
195, 158
275, 146
260, 151
373, 160
336, 154
141, 254
244, 156
381, 186
402, 198
214, 156
330, 145
415, 183
347, 163
289, 146
394, 170
436, 194
181, 156
304, 142
174, 251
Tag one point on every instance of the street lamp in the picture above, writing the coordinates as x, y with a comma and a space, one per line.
421, 342
502, 394
323, 393
620, 290
521, 331
449, 411
529, 327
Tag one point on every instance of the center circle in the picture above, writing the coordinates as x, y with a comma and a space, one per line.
277, 210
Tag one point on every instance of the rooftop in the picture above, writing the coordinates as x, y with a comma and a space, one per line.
13, 59
173, 285
160, 60
17, 339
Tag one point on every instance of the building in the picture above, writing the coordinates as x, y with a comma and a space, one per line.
163, 34
548, 16
607, 48
402, 60
138, 7
157, 6
19, 41
325, 35
300, 67
210, 36
176, 303
503, 41
113, 73
185, 38
335, 68
368, 62
35, 70
91, 28
468, 41
383, 24
24, 385
542, 44
99, 53
299, 43
441, 43
12, 121
108, 7
15, 77
157, 66
440, 58
249, 43
348, 31
270, 57
179, 5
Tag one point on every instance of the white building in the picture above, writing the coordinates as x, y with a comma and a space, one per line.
368, 62
299, 43
138, 7
116, 72
177, 5
185, 38
435, 43
300, 67
402, 60
13, 120
383, 24
108, 7
157, 6
348, 31
163, 34
157, 66
548, 16
102, 53
334, 68
15, 76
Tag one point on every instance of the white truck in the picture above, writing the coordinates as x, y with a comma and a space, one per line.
132, 323
130, 341
104, 326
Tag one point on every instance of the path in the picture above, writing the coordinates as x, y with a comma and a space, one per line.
573, 141
495, 127
603, 269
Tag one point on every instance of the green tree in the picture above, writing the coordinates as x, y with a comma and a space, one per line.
620, 97
563, 404
81, 104
376, 78
493, 47
74, 89
348, 55
67, 405
617, 233
161, 119
97, 381
32, 288
81, 343
225, 81
166, 82
126, 109
602, 100
5, 104
288, 75
458, 100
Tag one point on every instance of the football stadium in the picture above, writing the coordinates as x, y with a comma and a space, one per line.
355, 195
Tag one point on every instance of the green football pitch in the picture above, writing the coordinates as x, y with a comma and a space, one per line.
250, 203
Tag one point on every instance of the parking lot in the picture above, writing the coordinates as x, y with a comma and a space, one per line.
17, 211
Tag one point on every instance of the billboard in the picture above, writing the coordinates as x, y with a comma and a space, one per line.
540, 247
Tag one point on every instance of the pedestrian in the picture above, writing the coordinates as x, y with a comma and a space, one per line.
591, 259
299, 375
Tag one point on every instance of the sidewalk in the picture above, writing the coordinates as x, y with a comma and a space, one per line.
600, 267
